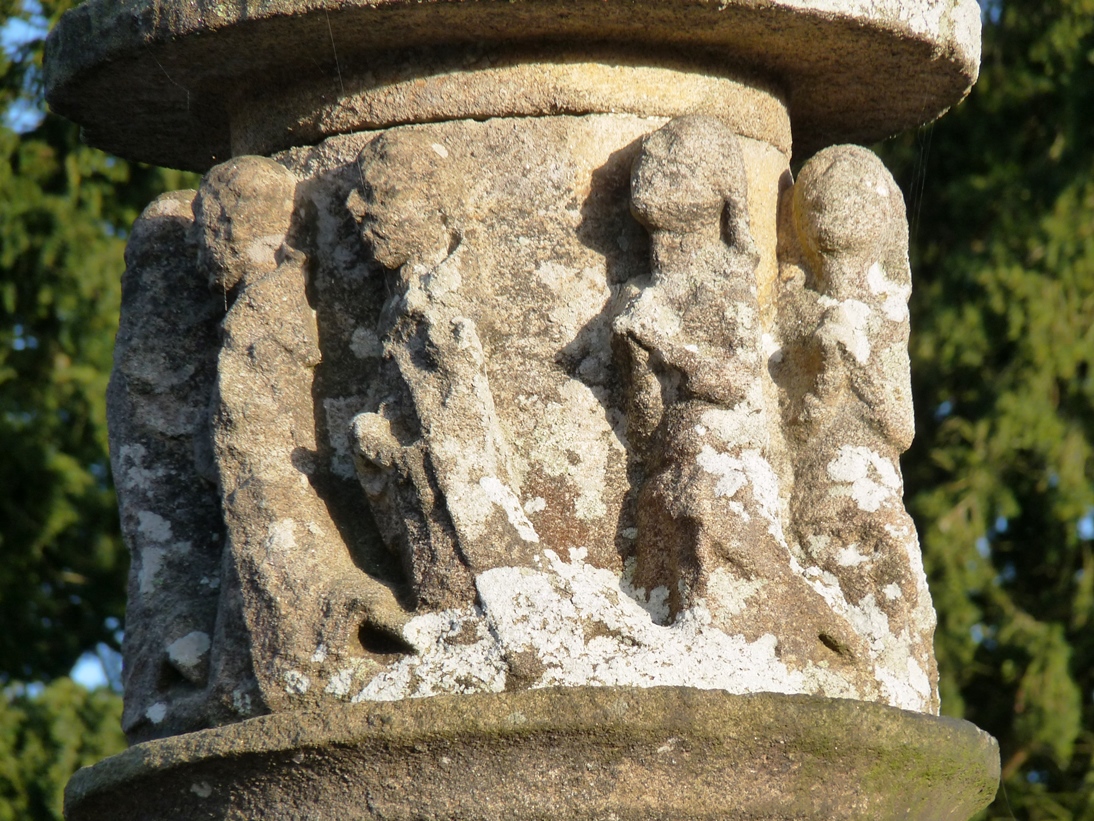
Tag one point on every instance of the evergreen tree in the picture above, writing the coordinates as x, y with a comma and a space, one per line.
46, 734
64, 211
1001, 476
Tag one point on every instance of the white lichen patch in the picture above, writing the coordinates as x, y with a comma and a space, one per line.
894, 295
340, 413
749, 468
296, 683
448, 661
151, 564
890, 653
157, 712
655, 602
241, 702
579, 296
580, 626
132, 475
729, 469
502, 495
918, 678
845, 323
850, 556
869, 478
349, 679
340, 683
365, 343
201, 789
731, 595
189, 651
903, 682
153, 526
427, 285
280, 537
574, 442
745, 424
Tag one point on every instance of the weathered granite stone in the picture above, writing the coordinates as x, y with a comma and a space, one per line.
574, 753
214, 80
848, 411
709, 529
500, 351
161, 455
297, 599
589, 456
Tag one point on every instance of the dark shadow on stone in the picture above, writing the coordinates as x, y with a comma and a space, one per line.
608, 228
341, 306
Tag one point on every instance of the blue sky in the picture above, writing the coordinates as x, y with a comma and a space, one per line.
24, 115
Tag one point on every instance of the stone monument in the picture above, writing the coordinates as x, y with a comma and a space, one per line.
502, 430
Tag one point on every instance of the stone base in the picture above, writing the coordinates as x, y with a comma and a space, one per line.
574, 753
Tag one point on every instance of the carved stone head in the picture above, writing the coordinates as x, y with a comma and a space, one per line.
243, 213
404, 219
844, 209
689, 176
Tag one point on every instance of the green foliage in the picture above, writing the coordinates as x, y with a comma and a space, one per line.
45, 738
64, 209
1002, 472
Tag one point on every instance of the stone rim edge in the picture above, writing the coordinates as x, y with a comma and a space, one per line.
105, 54
620, 714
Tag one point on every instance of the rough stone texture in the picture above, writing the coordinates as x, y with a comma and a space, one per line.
161, 455
198, 72
574, 753
589, 413
847, 407
709, 528
296, 601
429, 85
522, 362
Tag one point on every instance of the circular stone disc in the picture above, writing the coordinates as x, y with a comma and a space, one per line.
562, 754
156, 80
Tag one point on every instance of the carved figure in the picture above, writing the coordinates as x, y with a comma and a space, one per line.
456, 354
158, 400
853, 418
294, 595
708, 510
431, 454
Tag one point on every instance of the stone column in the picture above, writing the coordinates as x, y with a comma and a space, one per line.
502, 430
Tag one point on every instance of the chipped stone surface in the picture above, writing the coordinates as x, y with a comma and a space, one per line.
567, 623
189, 655
161, 456
622, 406
847, 408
